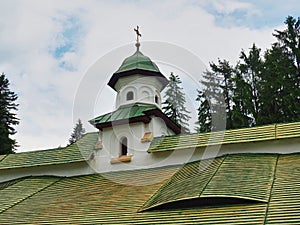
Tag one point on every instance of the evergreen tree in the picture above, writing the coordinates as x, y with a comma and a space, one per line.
211, 104
204, 122
224, 71
251, 69
8, 118
280, 101
174, 105
289, 39
277, 89
242, 101
78, 132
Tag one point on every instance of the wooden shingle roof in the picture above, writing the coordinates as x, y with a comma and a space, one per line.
77, 152
244, 135
270, 180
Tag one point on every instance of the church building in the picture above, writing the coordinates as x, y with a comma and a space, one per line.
138, 168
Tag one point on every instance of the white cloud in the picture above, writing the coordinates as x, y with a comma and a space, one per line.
30, 31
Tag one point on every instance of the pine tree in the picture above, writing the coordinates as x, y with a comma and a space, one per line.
204, 122
280, 85
211, 108
174, 105
246, 88
78, 132
224, 71
242, 102
289, 39
251, 69
277, 101
8, 118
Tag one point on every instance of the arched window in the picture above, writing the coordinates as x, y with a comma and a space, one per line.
124, 146
156, 99
129, 96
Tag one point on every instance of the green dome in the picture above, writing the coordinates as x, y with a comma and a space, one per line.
138, 61
137, 64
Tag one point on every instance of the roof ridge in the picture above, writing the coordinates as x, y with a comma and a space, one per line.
224, 157
271, 189
167, 181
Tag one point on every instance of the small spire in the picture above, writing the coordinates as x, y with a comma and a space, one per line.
138, 34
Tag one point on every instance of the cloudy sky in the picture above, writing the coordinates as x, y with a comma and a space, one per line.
47, 47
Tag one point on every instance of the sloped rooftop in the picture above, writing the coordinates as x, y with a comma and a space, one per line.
81, 151
271, 180
244, 135
137, 63
77, 152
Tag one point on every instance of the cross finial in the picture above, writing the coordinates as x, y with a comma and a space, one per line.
138, 34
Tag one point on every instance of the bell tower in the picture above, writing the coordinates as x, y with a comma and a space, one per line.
126, 133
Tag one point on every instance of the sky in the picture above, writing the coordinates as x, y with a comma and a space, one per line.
48, 49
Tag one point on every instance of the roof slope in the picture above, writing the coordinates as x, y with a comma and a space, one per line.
125, 112
242, 176
132, 113
77, 152
261, 133
95, 199
137, 64
138, 61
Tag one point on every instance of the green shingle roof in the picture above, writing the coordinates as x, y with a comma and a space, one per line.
79, 151
124, 113
138, 61
97, 199
137, 64
262, 133
245, 177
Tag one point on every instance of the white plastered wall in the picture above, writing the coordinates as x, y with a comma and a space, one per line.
144, 90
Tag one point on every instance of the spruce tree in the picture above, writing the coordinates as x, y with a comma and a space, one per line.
174, 104
204, 122
8, 118
251, 69
211, 104
242, 102
78, 132
224, 72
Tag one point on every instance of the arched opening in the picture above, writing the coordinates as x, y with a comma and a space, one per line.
129, 96
156, 99
124, 149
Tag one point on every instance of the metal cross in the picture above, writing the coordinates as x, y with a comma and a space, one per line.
138, 34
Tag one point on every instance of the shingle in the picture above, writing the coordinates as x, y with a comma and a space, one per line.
79, 151
262, 133
124, 112
284, 207
115, 198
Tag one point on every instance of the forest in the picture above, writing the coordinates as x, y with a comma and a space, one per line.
261, 88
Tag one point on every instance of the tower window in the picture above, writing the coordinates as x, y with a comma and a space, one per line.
124, 149
129, 96
156, 99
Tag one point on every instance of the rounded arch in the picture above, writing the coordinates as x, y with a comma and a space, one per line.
146, 94
123, 95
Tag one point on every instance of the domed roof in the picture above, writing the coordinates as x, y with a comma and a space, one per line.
137, 64
138, 61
